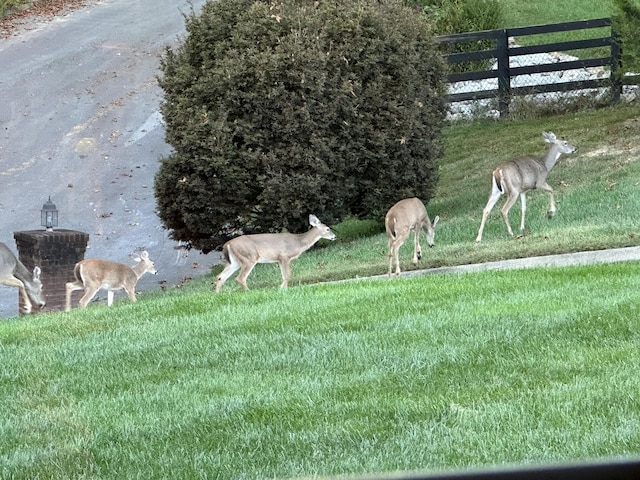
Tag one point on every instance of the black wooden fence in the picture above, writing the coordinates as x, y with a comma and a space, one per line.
505, 73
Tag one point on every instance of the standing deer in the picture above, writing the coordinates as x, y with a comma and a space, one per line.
407, 215
14, 274
521, 174
246, 251
94, 274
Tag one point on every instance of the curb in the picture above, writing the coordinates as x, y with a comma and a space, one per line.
614, 255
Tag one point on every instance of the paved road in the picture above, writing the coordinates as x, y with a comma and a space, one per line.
79, 122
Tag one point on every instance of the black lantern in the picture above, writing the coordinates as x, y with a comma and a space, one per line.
49, 215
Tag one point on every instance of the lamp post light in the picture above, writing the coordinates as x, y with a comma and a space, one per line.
49, 215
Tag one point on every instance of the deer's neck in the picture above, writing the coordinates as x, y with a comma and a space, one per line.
309, 237
551, 158
21, 273
139, 269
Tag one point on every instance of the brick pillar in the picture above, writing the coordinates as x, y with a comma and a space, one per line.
56, 253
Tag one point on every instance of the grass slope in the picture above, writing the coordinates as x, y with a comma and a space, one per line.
426, 373
540, 12
597, 192
429, 373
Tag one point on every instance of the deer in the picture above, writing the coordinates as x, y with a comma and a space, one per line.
13, 273
244, 252
405, 216
93, 274
521, 174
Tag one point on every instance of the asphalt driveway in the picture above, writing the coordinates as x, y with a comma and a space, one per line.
79, 122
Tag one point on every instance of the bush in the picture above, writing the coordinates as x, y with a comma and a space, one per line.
280, 109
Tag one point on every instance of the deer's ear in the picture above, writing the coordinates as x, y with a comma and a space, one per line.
549, 136
313, 220
36, 273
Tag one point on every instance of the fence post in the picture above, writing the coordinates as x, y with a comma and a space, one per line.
504, 76
616, 64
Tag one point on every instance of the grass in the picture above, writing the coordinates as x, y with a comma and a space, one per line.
597, 192
540, 12
429, 373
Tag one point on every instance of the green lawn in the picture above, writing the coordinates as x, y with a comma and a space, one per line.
540, 12
430, 373
415, 374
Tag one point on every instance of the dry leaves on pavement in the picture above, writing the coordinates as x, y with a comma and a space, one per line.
43, 9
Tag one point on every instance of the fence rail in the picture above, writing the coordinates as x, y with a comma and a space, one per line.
506, 69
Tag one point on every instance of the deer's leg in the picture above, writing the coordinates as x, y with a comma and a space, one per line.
245, 270
397, 243
28, 306
71, 287
131, 291
552, 202
110, 297
14, 282
393, 253
417, 250
390, 252
505, 211
523, 204
88, 295
228, 270
493, 198
285, 269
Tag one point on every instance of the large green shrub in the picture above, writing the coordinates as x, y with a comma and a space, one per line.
278, 109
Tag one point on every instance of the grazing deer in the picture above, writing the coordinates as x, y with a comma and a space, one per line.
14, 274
521, 174
94, 274
245, 251
406, 215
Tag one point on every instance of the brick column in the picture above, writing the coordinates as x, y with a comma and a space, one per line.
56, 253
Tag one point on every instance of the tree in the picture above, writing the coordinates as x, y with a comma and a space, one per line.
277, 109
